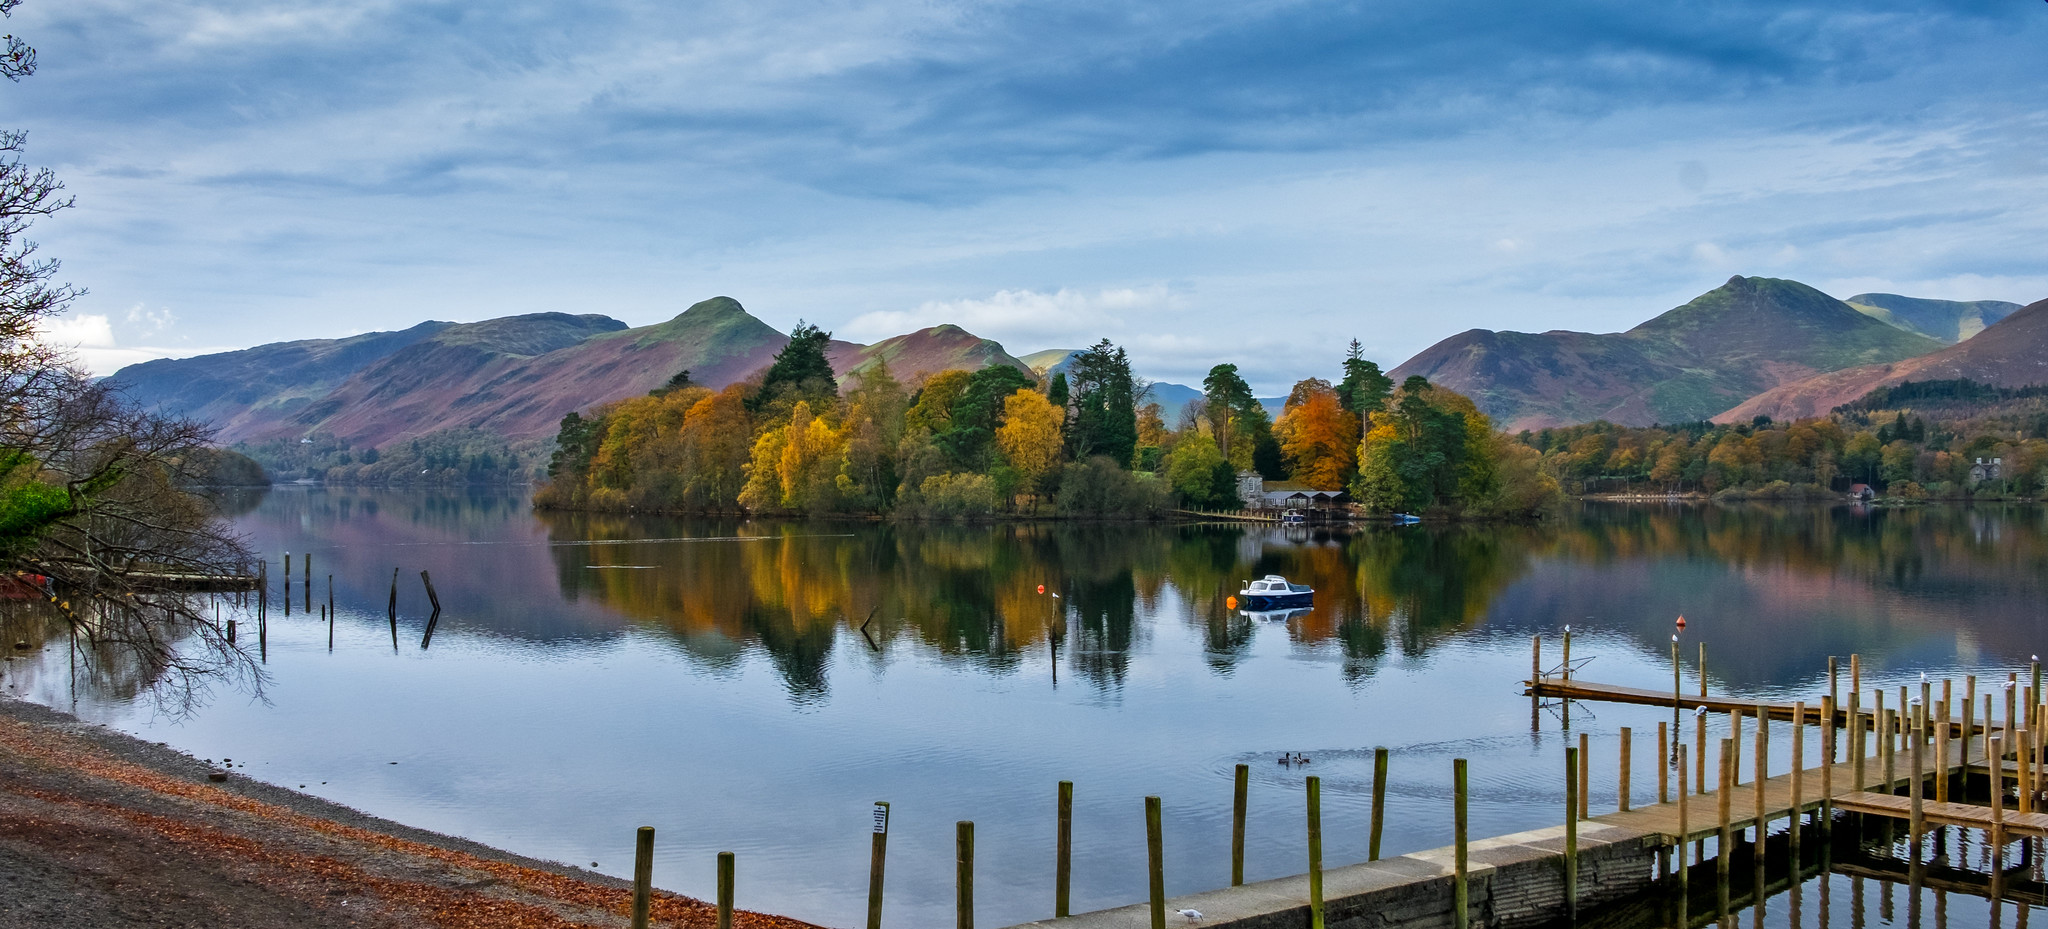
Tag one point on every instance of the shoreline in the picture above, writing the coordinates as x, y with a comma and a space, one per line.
102, 829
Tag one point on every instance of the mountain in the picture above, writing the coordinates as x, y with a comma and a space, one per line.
268, 390
1043, 363
2012, 352
1689, 363
1950, 321
515, 376
917, 355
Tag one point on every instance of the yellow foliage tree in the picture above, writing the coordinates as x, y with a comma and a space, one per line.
1318, 436
1030, 435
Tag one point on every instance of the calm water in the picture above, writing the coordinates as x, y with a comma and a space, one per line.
592, 674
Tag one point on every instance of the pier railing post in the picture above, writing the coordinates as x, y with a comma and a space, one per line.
1724, 843
643, 876
1585, 779
1684, 828
1460, 889
1798, 780
1239, 798
1571, 833
1155, 860
1917, 820
1063, 869
1379, 801
1663, 768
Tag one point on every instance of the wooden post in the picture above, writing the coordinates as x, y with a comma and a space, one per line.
1969, 712
1237, 810
1585, 779
1834, 680
643, 876
1699, 752
963, 874
330, 612
1827, 773
1994, 749
1663, 768
1566, 671
1703, 673
1916, 820
432, 598
1622, 802
725, 890
1798, 779
1941, 750
1684, 828
1721, 797
1571, 833
1763, 738
287, 583
1855, 729
1063, 870
1994, 763
878, 857
1884, 748
1735, 742
393, 610
2011, 726
2024, 761
1379, 801
1155, 854
231, 632
1460, 893
308, 575
1535, 660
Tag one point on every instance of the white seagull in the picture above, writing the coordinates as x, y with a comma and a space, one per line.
1192, 915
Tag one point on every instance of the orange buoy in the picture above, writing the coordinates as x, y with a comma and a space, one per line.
1041, 588
1230, 603
1681, 621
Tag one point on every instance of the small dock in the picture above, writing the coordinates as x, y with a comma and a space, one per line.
1539, 877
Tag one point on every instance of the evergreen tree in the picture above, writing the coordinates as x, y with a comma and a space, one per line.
1364, 389
800, 371
1241, 425
1105, 405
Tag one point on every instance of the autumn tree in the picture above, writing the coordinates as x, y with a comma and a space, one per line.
1030, 436
1318, 435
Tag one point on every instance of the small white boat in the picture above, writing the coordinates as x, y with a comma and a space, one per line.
1274, 592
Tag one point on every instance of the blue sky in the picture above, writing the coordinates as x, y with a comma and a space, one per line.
1245, 181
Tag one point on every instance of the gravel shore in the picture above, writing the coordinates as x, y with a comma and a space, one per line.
101, 830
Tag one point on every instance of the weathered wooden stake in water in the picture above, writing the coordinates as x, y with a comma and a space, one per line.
1155, 853
1703, 669
1063, 871
963, 874
1460, 892
1699, 761
1622, 802
1566, 670
1891, 769
1379, 802
432, 598
330, 612
1735, 737
1827, 771
1585, 779
1916, 820
1315, 854
231, 632
725, 890
1535, 658
308, 569
1240, 797
1855, 747
393, 609
1994, 749
1571, 833
1941, 749
877, 859
287, 583
643, 876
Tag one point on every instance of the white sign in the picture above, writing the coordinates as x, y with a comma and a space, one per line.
881, 819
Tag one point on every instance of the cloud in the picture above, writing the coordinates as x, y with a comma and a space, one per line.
1026, 320
90, 339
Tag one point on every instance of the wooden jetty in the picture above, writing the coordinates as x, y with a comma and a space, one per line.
1537, 877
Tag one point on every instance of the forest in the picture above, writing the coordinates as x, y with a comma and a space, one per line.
1916, 440
1085, 442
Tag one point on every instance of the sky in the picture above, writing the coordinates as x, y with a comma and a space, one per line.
1251, 181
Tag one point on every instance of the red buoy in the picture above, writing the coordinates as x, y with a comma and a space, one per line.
1681, 621
1041, 588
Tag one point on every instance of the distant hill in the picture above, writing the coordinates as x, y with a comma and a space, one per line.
1949, 321
917, 355
1687, 364
515, 376
2010, 353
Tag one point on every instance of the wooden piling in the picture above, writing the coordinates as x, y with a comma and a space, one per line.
1856, 728
1684, 870
1798, 778
1622, 800
432, 598
1240, 796
1379, 801
1535, 658
287, 583
330, 612
1994, 749
725, 889
308, 575
643, 876
1571, 833
1916, 819
1699, 753
2011, 698
1585, 779
1703, 669
2024, 761
1735, 742
878, 857
1763, 777
1566, 670
1663, 768
1941, 750
1721, 796
1460, 892
1063, 870
1827, 772
1885, 748
1155, 855
963, 874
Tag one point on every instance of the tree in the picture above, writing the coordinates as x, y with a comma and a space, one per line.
800, 371
1240, 424
1364, 389
1105, 410
1318, 435
1200, 477
1030, 436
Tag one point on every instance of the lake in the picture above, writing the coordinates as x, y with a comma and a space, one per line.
753, 686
